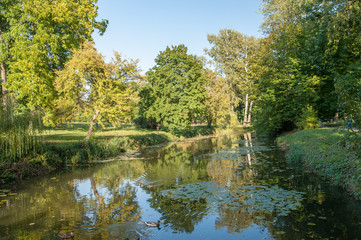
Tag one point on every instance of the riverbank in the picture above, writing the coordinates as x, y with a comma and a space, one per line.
65, 146
329, 152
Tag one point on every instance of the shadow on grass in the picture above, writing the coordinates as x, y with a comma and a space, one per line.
70, 127
84, 127
194, 131
63, 138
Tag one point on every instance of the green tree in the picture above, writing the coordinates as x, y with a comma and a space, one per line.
348, 87
234, 52
147, 98
127, 73
309, 43
218, 101
88, 81
36, 39
177, 87
294, 73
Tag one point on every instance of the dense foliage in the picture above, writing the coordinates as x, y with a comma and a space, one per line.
177, 88
36, 38
310, 49
87, 82
234, 53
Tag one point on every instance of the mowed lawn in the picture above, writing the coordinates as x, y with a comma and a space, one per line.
75, 132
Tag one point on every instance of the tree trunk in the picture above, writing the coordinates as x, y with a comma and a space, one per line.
245, 119
3, 82
250, 112
90, 133
95, 191
246, 143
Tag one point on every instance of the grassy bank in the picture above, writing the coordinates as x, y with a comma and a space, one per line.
65, 145
329, 152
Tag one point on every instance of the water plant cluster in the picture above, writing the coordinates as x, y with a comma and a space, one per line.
258, 199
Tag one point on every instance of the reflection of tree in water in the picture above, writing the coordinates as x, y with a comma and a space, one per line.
115, 199
58, 205
175, 167
118, 206
180, 215
236, 221
234, 160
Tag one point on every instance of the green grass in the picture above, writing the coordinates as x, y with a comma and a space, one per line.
330, 152
75, 132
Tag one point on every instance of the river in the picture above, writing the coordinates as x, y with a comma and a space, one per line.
229, 187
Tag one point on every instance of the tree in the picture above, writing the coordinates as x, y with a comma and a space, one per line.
88, 81
348, 87
233, 52
177, 87
218, 101
127, 73
36, 39
295, 75
311, 46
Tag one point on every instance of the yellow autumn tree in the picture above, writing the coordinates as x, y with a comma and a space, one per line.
89, 83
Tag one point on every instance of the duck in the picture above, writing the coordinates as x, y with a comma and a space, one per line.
67, 235
152, 224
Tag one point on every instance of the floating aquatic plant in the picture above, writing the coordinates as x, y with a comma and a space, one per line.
271, 199
259, 199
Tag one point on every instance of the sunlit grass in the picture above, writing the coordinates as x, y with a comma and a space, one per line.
75, 132
330, 152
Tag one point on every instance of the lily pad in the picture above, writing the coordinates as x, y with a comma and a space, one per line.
260, 199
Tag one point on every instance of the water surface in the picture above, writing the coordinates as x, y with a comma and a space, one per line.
229, 187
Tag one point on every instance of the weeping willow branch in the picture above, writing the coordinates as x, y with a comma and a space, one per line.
18, 133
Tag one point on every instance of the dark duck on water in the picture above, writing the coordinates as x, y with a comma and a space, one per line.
152, 224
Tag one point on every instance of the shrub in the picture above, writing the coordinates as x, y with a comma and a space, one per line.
308, 119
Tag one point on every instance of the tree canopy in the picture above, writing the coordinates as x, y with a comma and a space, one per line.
36, 39
178, 88
307, 45
88, 82
234, 54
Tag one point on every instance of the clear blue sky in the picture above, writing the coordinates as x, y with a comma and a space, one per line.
140, 29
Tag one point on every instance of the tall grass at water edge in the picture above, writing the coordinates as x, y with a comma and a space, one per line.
333, 153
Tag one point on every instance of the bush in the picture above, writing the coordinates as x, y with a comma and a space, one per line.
308, 119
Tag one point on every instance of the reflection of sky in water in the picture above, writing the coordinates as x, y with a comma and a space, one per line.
148, 213
202, 231
84, 187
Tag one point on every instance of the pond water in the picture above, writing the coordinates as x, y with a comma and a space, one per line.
229, 187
